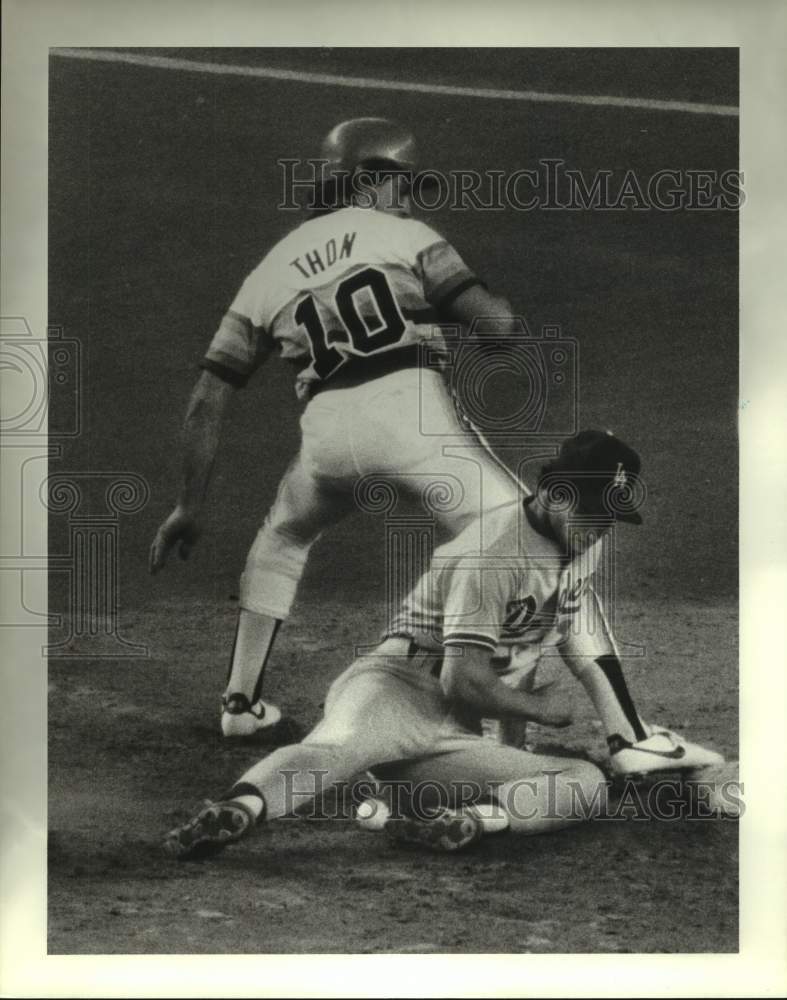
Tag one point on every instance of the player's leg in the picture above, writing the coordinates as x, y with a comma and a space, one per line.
370, 715
491, 788
428, 453
305, 505
315, 493
454, 450
540, 794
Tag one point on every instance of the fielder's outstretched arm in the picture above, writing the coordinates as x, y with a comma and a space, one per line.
468, 678
591, 654
201, 432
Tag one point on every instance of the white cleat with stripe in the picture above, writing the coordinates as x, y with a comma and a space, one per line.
661, 750
239, 718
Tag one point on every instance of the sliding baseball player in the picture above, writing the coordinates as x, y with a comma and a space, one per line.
411, 710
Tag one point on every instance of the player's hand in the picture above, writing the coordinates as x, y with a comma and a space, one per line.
180, 530
551, 707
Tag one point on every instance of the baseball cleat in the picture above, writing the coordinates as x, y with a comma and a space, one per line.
210, 831
662, 750
446, 830
696, 756
240, 718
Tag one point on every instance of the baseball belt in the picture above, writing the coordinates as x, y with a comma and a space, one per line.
357, 371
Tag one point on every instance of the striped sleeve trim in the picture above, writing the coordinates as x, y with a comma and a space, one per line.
238, 348
244, 324
237, 325
447, 290
439, 246
470, 639
227, 360
225, 372
445, 275
446, 298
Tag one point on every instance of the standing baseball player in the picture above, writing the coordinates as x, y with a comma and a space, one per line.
350, 298
417, 700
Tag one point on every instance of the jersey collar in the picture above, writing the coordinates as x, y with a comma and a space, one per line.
543, 528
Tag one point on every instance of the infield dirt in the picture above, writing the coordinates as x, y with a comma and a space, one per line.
162, 197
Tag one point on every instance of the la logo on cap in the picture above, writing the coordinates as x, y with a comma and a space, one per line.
620, 476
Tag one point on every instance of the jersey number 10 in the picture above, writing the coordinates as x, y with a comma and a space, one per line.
363, 338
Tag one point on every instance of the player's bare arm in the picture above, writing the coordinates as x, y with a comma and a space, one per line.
590, 637
635, 746
467, 677
201, 432
478, 301
590, 652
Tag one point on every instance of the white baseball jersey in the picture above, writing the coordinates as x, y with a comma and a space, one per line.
353, 283
520, 590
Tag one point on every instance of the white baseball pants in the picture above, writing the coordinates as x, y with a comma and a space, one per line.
402, 430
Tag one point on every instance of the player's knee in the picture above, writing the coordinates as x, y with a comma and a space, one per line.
586, 787
289, 537
274, 567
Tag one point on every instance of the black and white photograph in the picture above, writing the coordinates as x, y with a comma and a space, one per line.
384, 429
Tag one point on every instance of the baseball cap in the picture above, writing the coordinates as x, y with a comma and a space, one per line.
604, 472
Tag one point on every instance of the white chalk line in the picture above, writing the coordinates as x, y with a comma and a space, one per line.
371, 83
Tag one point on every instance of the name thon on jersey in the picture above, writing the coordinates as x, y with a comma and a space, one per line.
317, 262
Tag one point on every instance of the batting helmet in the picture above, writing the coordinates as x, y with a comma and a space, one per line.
368, 142
360, 143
